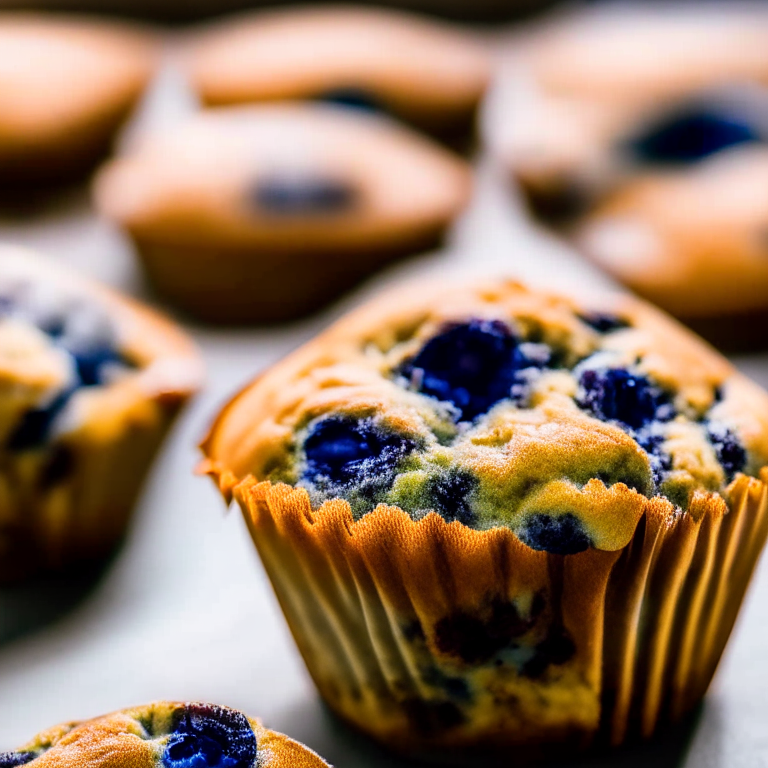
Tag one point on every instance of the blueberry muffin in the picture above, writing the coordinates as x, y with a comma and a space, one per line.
167, 734
266, 213
693, 242
89, 385
638, 89
498, 519
66, 87
422, 71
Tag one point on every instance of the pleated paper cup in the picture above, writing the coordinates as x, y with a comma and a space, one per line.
434, 638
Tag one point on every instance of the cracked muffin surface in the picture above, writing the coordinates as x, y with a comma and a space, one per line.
502, 407
167, 734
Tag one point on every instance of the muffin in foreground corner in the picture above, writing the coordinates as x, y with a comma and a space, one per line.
67, 84
167, 734
498, 519
425, 72
90, 382
265, 213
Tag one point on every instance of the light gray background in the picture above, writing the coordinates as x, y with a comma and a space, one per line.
186, 612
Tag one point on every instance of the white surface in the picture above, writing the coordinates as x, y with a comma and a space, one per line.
186, 612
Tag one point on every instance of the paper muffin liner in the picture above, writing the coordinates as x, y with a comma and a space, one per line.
69, 505
245, 283
431, 636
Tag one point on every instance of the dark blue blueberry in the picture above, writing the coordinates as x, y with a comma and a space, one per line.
660, 460
449, 495
79, 329
12, 759
91, 363
356, 98
602, 322
35, 427
296, 194
556, 648
473, 366
207, 736
615, 394
476, 639
561, 535
342, 450
690, 136
730, 452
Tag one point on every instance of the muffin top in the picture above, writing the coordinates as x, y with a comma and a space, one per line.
496, 405
75, 355
693, 242
167, 734
287, 177
62, 74
649, 53
411, 66
638, 88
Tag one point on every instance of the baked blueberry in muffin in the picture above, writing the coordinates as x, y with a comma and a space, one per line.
89, 384
491, 515
693, 134
168, 735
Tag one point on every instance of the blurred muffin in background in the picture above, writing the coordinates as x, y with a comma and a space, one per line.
693, 242
90, 383
645, 133
422, 71
66, 87
265, 213
165, 733
595, 98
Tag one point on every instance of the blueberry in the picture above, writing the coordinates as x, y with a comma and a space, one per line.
476, 639
35, 426
561, 535
473, 366
661, 462
556, 648
303, 194
343, 450
602, 322
692, 135
88, 336
448, 495
355, 98
91, 363
12, 759
207, 736
730, 452
615, 394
